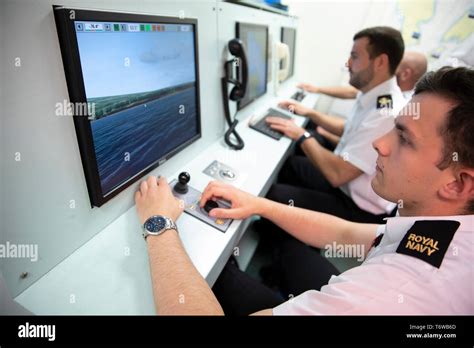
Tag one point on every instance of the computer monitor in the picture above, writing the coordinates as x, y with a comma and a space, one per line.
138, 76
255, 39
288, 37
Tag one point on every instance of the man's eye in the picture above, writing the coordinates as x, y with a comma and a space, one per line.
402, 139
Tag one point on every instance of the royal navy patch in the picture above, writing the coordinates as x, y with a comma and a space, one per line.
428, 240
384, 101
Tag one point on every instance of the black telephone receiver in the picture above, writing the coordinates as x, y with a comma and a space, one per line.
237, 49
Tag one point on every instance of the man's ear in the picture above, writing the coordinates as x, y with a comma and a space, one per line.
461, 188
381, 61
406, 74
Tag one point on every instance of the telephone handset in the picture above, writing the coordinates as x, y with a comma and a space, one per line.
237, 49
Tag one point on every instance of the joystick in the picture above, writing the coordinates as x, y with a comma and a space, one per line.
182, 184
191, 200
209, 205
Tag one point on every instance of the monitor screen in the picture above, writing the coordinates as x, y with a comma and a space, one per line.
288, 37
139, 77
255, 39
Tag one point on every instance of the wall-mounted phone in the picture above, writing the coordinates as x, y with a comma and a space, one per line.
236, 73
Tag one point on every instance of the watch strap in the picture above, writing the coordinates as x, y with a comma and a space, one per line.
302, 138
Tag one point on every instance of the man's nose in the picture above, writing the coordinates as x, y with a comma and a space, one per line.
381, 145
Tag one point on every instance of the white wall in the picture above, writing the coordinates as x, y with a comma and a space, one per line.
325, 31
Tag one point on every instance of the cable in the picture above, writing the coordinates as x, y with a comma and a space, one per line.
238, 144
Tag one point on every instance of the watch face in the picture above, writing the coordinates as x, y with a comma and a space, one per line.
155, 224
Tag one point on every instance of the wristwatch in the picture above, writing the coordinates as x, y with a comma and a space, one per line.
158, 224
306, 135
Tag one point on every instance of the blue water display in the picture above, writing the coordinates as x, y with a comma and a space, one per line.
143, 88
133, 139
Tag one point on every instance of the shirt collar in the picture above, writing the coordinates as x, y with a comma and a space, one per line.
408, 94
386, 87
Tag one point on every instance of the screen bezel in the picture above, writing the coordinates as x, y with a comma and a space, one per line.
75, 83
293, 54
240, 104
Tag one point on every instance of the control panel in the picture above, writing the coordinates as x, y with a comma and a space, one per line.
191, 198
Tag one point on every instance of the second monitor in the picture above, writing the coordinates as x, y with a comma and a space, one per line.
288, 37
255, 39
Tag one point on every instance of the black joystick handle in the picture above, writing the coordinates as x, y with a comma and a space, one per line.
209, 205
182, 184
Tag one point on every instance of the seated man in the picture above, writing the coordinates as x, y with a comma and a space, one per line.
338, 182
412, 67
410, 70
418, 263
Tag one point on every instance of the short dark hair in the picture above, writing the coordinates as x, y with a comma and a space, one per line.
384, 40
457, 86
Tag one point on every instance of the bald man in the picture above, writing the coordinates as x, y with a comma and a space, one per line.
411, 68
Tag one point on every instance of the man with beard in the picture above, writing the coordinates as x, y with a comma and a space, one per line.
412, 67
338, 182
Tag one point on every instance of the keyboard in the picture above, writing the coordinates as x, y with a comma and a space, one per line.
298, 96
263, 127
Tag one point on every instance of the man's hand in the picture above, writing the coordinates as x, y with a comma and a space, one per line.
308, 87
295, 108
243, 204
287, 127
155, 198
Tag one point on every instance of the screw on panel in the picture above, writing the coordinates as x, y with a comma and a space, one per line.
23, 275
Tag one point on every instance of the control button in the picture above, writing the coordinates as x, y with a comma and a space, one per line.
228, 174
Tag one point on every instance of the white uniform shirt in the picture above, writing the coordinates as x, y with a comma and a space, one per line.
408, 94
367, 123
388, 282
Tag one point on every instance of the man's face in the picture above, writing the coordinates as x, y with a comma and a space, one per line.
361, 67
408, 154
